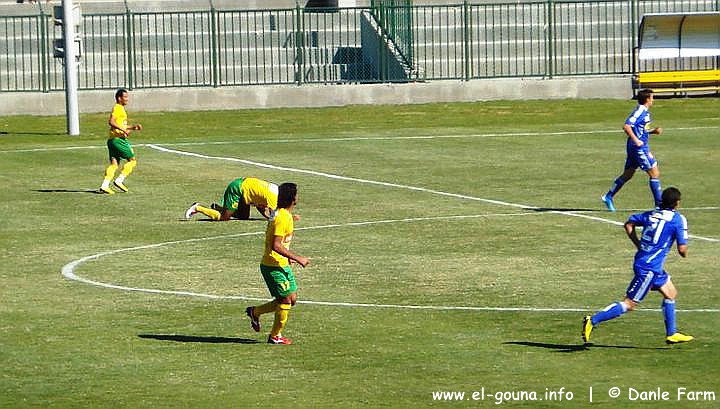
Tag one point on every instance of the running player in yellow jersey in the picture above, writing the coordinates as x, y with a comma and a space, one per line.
275, 267
118, 145
239, 195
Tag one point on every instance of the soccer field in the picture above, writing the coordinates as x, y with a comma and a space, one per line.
454, 248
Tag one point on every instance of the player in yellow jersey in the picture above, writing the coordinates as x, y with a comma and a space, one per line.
276, 267
239, 195
118, 145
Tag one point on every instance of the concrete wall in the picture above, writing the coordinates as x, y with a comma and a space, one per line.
258, 97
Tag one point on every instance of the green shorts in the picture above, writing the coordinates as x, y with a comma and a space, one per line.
280, 280
120, 148
233, 195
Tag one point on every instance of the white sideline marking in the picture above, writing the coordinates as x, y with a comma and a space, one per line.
68, 271
395, 185
359, 138
682, 208
63, 148
413, 137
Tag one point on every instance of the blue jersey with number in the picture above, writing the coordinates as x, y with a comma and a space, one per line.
660, 229
639, 120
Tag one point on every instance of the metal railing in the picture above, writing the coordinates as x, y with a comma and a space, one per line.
215, 48
396, 18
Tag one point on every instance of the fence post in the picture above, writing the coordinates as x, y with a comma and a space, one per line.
466, 38
214, 43
633, 35
382, 42
299, 45
383, 71
44, 66
410, 36
550, 66
129, 47
634, 15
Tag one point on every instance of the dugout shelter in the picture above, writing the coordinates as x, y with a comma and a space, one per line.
678, 53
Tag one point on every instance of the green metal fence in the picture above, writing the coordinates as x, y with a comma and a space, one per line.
395, 42
396, 17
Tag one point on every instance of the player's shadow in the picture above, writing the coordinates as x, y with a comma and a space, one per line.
195, 338
93, 191
205, 219
556, 347
571, 347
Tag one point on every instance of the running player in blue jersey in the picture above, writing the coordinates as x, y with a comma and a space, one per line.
637, 127
661, 227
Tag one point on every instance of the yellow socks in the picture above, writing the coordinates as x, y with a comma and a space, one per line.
128, 167
281, 316
109, 173
211, 213
265, 308
126, 170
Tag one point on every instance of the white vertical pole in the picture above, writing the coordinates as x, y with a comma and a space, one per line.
71, 99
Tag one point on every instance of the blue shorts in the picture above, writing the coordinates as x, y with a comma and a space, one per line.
640, 158
643, 282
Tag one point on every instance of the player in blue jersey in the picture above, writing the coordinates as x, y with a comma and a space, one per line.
637, 127
661, 227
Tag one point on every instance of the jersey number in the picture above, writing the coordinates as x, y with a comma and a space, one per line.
654, 231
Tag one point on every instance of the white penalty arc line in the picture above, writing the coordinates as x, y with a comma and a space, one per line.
359, 138
68, 271
396, 185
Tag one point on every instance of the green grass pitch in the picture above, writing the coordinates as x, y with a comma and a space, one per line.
476, 213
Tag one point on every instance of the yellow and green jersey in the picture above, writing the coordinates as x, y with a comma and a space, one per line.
120, 116
282, 225
259, 193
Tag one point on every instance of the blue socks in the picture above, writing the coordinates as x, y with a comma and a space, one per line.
655, 188
613, 310
656, 191
617, 185
668, 307
617, 309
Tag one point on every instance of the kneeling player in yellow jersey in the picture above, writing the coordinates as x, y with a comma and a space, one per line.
275, 267
118, 145
239, 195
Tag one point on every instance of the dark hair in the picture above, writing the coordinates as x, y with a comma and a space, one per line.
286, 195
643, 95
119, 93
670, 198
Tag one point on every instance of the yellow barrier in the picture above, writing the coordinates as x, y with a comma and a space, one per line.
679, 81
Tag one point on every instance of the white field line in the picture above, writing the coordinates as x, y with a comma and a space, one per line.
68, 271
682, 208
361, 138
61, 148
395, 185
414, 137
